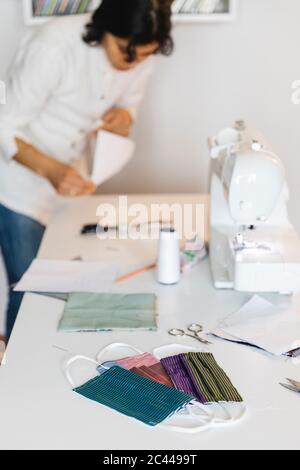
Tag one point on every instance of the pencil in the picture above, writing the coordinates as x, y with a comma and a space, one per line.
133, 274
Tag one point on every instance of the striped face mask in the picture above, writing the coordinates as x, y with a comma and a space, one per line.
145, 365
210, 379
180, 376
134, 396
145, 400
199, 374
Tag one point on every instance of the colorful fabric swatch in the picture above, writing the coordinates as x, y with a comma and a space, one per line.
134, 396
155, 372
145, 359
144, 365
210, 379
180, 377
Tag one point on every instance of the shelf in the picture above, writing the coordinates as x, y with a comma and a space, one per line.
212, 18
226, 12
32, 20
181, 18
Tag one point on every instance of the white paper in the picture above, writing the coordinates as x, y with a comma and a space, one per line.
112, 153
51, 276
273, 328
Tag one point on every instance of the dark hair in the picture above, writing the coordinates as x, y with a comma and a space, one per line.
140, 21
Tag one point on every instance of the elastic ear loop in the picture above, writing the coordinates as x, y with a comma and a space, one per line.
207, 420
113, 346
67, 365
231, 419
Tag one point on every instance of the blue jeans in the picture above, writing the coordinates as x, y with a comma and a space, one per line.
20, 238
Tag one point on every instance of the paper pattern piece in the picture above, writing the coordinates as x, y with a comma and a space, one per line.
51, 276
112, 153
259, 323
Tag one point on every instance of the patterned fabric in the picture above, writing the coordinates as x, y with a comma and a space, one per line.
209, 379
144, 365
134, 396
145, 359
155, 372
180, 377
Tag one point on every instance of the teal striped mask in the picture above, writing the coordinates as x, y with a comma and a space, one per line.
134, 396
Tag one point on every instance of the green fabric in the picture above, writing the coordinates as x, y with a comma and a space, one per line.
210, 378
101, 312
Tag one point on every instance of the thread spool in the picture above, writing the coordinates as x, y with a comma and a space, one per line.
168, 262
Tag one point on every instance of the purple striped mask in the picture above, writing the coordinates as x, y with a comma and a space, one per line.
181, 379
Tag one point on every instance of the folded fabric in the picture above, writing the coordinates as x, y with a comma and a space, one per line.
145, 359
130, 362
198, 374
210, 379
134, 396
180, 377
105, 312
153, 373
145, 365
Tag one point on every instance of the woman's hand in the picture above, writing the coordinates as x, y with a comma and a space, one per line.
118, 121
68, 182
65, 179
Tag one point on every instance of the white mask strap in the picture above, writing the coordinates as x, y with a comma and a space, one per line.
112, 347
233, 417
66, 366
206, 420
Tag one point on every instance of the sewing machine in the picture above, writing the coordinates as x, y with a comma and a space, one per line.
254, 247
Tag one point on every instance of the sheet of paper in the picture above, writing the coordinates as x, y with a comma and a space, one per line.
112, 153
273, 328
51, 276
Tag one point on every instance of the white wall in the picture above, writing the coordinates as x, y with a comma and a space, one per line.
218, 73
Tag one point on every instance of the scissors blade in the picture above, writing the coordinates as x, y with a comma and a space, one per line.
294, 383
290, 387
204, 341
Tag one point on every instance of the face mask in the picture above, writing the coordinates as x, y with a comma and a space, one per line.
155, 372
220, 412
129, 363
144, 359
145, 365
209, 379
136, 397
225, 412
180, 377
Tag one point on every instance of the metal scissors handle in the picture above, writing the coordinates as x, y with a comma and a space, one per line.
194, 328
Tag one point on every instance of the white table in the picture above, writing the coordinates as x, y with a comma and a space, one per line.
39, 411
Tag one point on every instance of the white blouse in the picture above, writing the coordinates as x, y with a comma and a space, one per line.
59, 88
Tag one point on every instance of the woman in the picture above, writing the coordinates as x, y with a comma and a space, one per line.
68, 75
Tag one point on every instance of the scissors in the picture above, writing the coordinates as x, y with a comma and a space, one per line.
293, 386
194, 328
